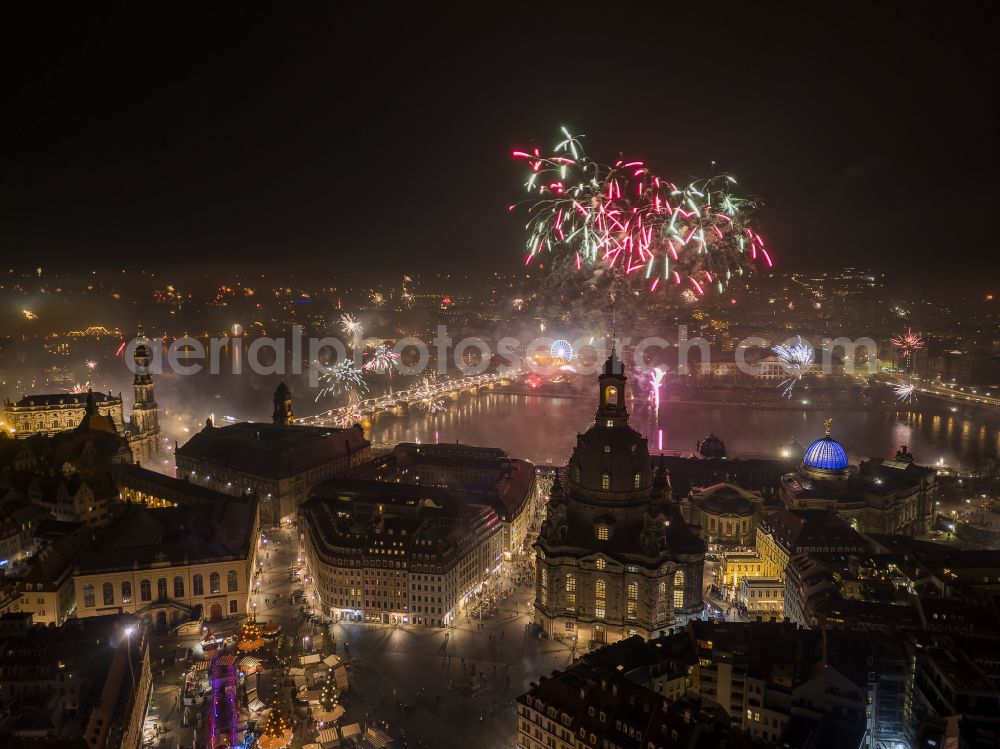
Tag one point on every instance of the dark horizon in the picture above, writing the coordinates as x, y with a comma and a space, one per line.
148, 140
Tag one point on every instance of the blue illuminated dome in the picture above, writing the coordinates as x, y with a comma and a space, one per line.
826, 454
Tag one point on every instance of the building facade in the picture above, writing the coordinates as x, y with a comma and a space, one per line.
727, 516
52, 413
46, 587
614, 558
380, 553
18, 521
790, 532
172, 565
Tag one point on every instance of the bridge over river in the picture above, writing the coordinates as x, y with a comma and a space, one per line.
427, 396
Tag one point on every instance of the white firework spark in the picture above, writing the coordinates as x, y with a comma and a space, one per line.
428, 400
795, 360
352, 328
91, 364
342, 377
656, 376
905, 391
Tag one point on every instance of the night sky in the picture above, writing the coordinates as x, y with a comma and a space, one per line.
239, 138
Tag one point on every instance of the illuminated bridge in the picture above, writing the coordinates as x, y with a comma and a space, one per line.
400, 403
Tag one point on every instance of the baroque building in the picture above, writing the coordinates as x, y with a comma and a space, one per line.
279, 462
881, 496
51, 413
614, 556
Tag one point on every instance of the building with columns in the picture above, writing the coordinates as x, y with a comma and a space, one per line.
614, 556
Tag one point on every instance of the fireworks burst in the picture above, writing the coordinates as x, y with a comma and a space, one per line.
349, 416
656, 376
91, 364
431, 403
342, 377
377, 298
382, 360
406, 295
906, 343
353, 329
625, 222
795, 360
905, 391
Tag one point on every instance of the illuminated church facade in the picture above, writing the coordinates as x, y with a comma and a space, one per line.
614, 556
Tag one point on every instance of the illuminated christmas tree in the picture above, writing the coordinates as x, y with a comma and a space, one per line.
250, 635
328, 695
277, 731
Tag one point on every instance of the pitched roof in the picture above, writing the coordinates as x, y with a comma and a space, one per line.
177, 535
272, 450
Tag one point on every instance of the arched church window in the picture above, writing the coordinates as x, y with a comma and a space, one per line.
679, 589
611, 395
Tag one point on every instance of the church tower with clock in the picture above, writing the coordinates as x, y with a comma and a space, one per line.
614, 557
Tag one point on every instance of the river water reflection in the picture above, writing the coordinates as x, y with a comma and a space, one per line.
543, 429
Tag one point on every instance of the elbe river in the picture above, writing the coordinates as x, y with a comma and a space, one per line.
543, 429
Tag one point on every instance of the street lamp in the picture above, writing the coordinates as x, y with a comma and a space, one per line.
128, 648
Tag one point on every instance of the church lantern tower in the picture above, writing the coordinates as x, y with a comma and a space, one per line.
145, 423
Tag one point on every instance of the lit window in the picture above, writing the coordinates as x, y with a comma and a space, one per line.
607, 449
601, 564
637, 481
602, 533
679, 589
609, 423
571, 592
611, 395
605, 480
